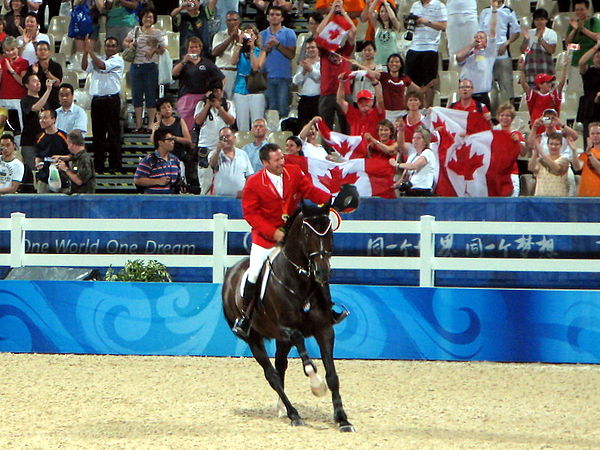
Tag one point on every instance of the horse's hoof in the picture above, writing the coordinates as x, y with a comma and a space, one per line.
317, 386
298, 423
349, 428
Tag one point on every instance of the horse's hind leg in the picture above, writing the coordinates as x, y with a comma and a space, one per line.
260, 354
325, 339
317, 385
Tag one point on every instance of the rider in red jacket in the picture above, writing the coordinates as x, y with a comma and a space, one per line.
269, 197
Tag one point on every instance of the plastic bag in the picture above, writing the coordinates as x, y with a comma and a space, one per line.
165, 67
54, 183
81, 21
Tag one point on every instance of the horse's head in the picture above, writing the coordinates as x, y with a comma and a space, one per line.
317, 238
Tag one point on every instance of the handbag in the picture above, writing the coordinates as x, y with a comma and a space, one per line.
129, 53
165, 68
256, 82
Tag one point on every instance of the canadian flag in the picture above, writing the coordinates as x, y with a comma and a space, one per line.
373, 177
334, 33
475, 161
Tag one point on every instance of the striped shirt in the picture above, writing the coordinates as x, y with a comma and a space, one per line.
154, 166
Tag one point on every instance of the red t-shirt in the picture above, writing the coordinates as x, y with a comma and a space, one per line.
537, 103
409, 129
471, 107
10, 89
363, 123
332, 66
394, 90
375, 152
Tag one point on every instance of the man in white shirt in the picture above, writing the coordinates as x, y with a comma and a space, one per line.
231, 165
106, 104
422, 57
507, 31
222, 48
70, 116
11, 169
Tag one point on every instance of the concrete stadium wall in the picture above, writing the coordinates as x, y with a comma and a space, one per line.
386, 322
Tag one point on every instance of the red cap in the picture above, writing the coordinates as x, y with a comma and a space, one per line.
364, 94
543, 77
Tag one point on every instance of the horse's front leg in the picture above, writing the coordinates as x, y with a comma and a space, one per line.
317, 385
257, 347
281, 365
325, 338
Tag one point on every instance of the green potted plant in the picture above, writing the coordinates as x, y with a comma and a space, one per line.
139, 270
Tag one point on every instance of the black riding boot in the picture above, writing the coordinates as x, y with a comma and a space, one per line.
241, 327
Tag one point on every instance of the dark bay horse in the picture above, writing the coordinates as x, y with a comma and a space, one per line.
296, 304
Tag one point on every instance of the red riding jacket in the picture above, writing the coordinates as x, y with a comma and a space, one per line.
266, 211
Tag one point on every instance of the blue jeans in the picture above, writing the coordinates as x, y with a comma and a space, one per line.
278, 95
144, 84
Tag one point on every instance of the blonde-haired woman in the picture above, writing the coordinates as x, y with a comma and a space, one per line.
420, 169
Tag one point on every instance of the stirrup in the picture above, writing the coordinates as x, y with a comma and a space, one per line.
241, 327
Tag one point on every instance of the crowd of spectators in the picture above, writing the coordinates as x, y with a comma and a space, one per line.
238, 81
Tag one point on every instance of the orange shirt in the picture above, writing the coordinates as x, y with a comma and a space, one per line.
351, 6
589, 184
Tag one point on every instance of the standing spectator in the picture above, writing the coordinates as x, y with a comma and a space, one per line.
223, 45
30, 37
11, 168
506, 114
224, 7
538, 46
47, 69
159, 172
466, 102
589, 164
149, 43
353, 8
583, 31
231, 165
365, 72
550, 169
195, 16
407, 125
589, 107
2, 30
280, 44
212, 114
31, 105
314, 20
70, 116
248, 58
259, 131
51, 142
477, 61
422, 57
308, 80
421, 168
79, 166
565, 5
264, 6
12, 70
15, 18
462, 24
120, 19
166, 120
333, 64
106, 74
382, 17
384, 146
195, 74
507, 31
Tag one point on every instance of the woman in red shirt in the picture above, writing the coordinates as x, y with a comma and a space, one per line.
385, 146
12, 70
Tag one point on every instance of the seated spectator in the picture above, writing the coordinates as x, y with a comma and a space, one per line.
47, 69
545, 96
293, 146
477, 61
367, 114
70, 116
308, 80
31, 105
550, 169
466, 101
223, 44
259, 130
248, 58
149, 43
50, 143
120, 18
196, 74
15, 18
194, 21
79, 166
506, 114
12, 70
420, 169
589, 164
538, 46
231, 166
382, 16
30, 37
159, 172
11, 168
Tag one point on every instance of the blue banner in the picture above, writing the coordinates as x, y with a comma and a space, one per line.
527, 209
385, 322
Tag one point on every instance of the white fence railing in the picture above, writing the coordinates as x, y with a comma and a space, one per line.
426, 263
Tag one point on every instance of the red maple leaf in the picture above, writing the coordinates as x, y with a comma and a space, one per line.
464, 164
334, 34
344, 147
337, 179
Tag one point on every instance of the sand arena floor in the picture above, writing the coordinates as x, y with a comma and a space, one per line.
88, 402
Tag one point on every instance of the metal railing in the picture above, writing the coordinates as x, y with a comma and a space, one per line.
220, 225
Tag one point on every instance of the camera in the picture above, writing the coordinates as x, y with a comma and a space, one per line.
405, 186
410, 23
203, 157
193, 55
546, 120
210, 97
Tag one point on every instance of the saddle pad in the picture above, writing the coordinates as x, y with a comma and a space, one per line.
266, 271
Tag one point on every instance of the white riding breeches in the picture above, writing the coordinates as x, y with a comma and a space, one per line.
258, 255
